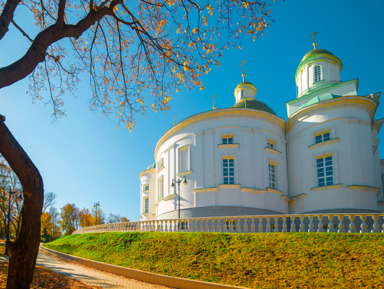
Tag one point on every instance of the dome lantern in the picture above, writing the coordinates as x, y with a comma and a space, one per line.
318, 69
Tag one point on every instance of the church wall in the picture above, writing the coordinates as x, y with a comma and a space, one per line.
350, 146
205, 180
148, 178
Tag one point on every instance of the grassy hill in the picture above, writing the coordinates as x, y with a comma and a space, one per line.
268, 260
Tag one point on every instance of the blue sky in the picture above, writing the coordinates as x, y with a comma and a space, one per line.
84, 158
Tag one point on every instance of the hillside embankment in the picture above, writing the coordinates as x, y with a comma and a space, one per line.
268, 260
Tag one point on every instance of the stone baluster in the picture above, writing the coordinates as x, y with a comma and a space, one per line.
341, 224
293, 224
260, 230
213, 229
246, 227
202, 227
222, 225
302, 225
207, 227
375, 228
284, 226
194, 225
321, 224
311, 225
253, 225
330, 224
364, 226
238, 226
268, 228
277, 227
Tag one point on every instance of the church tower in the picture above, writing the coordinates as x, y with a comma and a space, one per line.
318, 69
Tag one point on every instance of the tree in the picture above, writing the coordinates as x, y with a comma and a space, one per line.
55, 222
49, 200
9, 182
85, 217
124, 219
46, 226
113, 218
153, 46
69, 219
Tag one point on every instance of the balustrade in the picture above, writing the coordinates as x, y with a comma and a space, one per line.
337, 223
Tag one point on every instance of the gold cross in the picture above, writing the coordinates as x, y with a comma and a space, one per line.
242, 64
174, 119
314, 38
214, 101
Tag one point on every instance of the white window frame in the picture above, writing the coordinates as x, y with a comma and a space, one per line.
146, 205
317, 73
228, 170
272, 175
271, 144
227, 139
160, 186
323, 136
188, 160
325, 170
144, 187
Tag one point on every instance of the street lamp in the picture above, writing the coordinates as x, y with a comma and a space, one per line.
96, 206
10, 193
184, 180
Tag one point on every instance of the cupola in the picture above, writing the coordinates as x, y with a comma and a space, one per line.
245, 94
318, 69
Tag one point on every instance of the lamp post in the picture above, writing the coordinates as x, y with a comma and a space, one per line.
10, 193
96, 206
184, 180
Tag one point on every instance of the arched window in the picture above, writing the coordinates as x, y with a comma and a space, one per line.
317, 73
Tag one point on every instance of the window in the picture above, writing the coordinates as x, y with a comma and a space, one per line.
272, 175
161, 163
324, 171
271, 144
227, 139
146, 187
161, 187
317, 73
322, 137
184, 159
229, 171
146, 205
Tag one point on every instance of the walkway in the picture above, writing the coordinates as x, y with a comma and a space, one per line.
91, 276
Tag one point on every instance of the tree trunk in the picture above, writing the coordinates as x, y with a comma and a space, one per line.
23, 252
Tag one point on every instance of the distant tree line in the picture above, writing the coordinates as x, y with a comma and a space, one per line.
54, 222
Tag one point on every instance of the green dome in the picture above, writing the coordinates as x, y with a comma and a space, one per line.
320, 98
316, 55
254, 104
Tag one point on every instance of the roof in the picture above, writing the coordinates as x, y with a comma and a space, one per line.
152, 166
253, 104
317, 99
318, 54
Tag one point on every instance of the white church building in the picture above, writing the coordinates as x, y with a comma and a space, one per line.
245, 160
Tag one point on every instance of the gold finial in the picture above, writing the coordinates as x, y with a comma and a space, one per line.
314, 39
174, 122
242, 64
214, 102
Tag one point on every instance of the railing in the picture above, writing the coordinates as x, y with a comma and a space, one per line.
338, 223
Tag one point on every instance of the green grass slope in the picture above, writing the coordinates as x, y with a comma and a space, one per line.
269, 260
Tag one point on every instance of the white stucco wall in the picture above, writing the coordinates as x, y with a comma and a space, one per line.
353, 159
147, 177
205, 180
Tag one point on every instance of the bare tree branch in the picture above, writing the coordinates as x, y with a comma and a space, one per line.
7, 16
